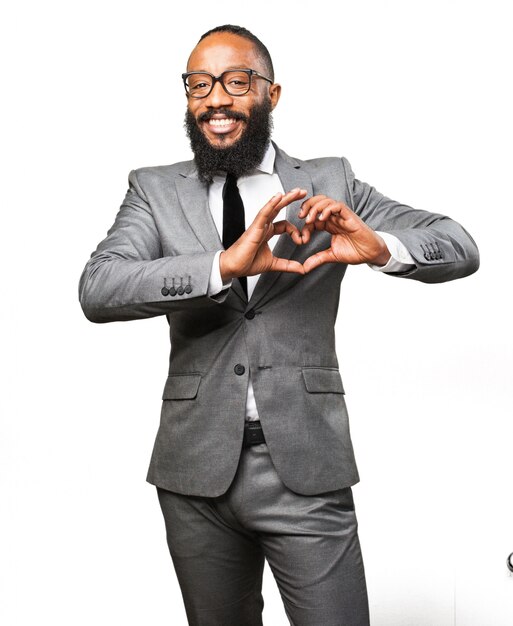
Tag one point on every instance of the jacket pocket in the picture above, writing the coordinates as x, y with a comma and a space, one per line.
181, 387
322, 380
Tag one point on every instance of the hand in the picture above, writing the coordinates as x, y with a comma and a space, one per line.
352, 240
251, 254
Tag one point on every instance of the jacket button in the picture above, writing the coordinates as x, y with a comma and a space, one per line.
249, 315
239, 369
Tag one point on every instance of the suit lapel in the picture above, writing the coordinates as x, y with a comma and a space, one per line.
291, 175
193, 197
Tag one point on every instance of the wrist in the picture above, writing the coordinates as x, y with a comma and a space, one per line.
226, 271
383, 255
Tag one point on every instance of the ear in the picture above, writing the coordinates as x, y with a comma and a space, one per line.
274, 94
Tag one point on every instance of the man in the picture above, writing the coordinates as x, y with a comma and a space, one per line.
253, 458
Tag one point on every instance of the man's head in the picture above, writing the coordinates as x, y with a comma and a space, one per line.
227, 131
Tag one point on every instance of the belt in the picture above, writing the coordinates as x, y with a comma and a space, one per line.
253, 433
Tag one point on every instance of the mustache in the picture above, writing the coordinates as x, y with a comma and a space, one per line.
234, 115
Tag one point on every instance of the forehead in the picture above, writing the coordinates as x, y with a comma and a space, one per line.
223, 51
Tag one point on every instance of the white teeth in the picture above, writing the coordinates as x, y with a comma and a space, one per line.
221, 122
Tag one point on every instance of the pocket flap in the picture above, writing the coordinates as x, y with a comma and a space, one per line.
181, 387
322, 380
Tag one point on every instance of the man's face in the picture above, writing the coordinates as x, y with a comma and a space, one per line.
215, 54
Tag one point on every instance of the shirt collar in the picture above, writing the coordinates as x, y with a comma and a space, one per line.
267, 163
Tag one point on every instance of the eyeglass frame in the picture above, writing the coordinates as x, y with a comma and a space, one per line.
217, 79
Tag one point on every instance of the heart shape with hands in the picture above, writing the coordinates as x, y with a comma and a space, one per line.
352, 241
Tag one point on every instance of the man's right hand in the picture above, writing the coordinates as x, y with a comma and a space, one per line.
250, 254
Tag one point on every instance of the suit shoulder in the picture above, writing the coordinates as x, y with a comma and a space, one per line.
326, 167
149, 174
320, 164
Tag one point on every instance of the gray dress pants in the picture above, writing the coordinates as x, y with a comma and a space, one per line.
218, 546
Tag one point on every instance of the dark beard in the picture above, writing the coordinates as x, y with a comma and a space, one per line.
241, 157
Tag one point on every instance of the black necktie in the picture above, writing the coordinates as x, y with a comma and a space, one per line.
233, 218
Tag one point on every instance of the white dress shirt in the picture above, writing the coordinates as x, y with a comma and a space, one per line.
256, 189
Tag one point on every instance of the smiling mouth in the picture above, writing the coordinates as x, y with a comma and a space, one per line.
221, 122
222, 125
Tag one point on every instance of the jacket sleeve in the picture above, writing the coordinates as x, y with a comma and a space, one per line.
442, 249
124, 277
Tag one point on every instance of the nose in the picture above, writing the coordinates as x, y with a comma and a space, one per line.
218, 97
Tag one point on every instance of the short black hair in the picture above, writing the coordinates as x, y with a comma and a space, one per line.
262, 51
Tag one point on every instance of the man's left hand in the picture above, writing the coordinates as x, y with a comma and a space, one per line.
352, 240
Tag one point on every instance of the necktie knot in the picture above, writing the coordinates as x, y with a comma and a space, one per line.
230, 186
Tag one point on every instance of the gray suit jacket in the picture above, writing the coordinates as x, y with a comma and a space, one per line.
164, 230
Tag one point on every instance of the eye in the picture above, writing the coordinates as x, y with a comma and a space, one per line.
238, 82
199, 83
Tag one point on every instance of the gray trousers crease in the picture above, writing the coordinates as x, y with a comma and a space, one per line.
219, 546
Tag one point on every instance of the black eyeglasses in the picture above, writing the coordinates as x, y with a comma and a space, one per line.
234, 82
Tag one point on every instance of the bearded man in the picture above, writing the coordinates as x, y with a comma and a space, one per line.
253, 458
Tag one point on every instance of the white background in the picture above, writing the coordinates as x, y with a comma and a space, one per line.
420, 102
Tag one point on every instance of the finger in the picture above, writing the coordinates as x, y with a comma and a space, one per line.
319, 225
308, 204
306, 232
259, 228
341, 210
288, 198
323, 207
320, 258
314, 209
292, 195
286, 265
284, 226
271, 209
333, 210
308, 229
